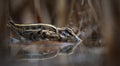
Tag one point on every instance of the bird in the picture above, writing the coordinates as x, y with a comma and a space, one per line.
39, 31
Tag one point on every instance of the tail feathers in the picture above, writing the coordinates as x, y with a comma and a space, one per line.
11, 22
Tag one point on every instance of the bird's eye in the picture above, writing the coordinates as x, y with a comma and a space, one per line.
69, 31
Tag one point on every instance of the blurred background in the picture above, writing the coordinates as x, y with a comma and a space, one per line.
96, 22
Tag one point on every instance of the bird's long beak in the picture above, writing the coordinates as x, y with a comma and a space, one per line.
76, 38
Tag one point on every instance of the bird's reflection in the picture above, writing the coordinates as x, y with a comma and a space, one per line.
40, 50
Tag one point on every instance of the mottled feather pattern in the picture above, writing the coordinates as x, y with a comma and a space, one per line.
35, 32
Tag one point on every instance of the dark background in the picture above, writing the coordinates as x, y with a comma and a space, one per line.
95, 21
